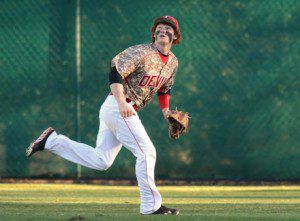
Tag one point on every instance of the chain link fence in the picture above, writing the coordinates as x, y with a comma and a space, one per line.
238, 78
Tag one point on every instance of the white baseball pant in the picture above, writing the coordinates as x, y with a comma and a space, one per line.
115, 132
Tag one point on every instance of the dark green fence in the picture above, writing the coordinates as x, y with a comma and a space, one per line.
238, 78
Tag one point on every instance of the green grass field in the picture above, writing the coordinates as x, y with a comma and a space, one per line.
91, 202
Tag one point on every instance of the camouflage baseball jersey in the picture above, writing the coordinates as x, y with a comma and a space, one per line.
144, 73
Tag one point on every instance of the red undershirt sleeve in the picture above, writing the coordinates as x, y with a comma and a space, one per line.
164, 95
164, 100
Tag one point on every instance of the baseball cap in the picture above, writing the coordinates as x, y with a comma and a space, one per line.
167, 19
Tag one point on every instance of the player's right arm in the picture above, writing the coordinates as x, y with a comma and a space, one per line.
122, 65
125, 109
117, 89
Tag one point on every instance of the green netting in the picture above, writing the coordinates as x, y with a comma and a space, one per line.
238, 78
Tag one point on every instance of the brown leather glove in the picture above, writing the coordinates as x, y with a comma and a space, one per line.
179, 123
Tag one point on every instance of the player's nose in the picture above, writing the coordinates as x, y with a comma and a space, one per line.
162, 31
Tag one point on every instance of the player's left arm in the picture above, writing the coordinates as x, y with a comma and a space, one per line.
164, 102
164, 95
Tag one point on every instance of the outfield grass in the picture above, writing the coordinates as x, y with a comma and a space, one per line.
91, 202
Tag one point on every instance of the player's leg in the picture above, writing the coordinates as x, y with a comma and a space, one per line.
132, 134
107, 144
99, 158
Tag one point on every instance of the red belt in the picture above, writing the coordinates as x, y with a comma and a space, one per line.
136, 108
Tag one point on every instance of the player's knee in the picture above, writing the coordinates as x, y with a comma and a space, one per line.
149, 152
103, 164
152, 153
106, 165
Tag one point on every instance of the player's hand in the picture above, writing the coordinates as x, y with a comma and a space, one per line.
166, 112
126, 110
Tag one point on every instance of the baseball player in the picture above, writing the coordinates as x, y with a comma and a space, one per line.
136, 75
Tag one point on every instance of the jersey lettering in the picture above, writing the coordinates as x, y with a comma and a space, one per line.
160, 81
144, 81
150, 81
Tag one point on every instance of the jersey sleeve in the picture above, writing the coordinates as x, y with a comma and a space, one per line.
127, 61
166, 87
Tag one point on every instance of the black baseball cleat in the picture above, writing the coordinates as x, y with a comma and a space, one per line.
166, 211
39, 144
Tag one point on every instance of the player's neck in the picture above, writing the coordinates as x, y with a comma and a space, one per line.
164, 49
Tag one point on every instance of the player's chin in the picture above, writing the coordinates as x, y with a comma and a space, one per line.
163, 42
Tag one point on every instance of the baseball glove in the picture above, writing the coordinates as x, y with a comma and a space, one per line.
179, 123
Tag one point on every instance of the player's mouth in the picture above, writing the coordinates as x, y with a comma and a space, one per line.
166, 36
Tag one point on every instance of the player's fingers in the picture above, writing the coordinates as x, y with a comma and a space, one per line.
126, 114
129, 113
123, 113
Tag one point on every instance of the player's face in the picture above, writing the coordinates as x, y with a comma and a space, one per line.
164, 34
